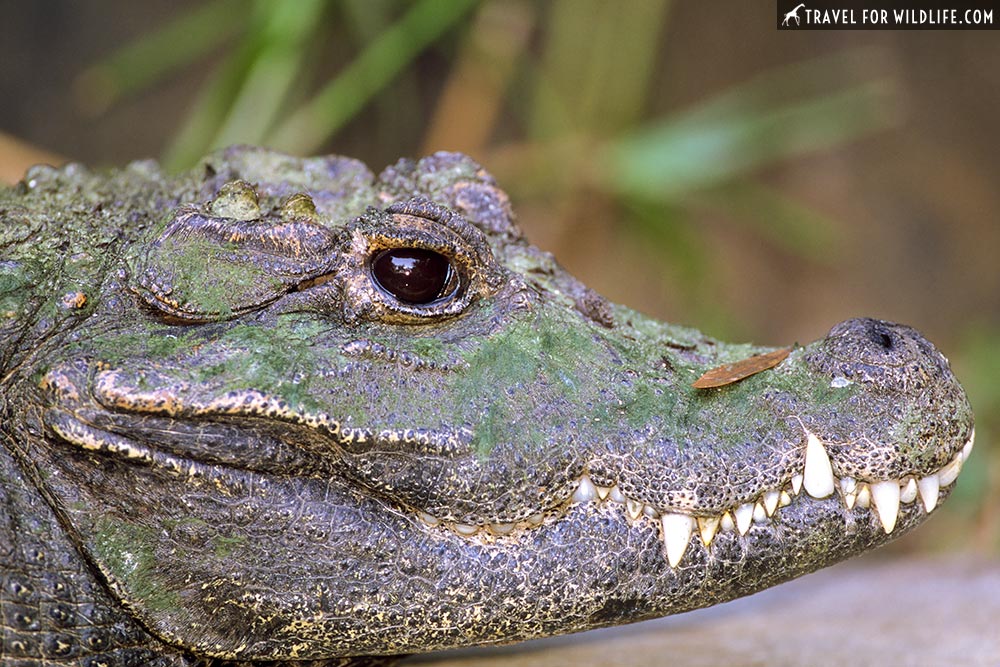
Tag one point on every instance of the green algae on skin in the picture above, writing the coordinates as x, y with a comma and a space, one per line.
429, 348
225, 546
126, 551
280, 365
537, 351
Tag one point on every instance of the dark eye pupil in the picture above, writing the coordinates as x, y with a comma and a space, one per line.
413, 275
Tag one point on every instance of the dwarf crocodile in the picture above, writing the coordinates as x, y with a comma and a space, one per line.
280, 410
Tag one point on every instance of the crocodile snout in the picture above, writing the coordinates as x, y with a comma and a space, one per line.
901, 412
882, 353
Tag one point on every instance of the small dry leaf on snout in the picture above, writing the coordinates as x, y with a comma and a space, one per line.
738, 370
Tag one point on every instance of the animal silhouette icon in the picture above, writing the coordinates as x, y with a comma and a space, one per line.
794, 14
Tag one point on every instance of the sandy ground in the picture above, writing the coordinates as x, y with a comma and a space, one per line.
919, 613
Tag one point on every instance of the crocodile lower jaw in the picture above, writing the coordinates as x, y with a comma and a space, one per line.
676, 528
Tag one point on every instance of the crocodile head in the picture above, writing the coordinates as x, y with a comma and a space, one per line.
298, 411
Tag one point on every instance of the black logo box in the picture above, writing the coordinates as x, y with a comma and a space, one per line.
888, 14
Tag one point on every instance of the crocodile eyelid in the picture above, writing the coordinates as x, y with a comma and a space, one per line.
371, 290
206, 268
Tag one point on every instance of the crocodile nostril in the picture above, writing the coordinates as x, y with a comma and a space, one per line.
882, 337
876, 351
874, 342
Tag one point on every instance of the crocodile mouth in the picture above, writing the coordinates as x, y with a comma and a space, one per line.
126, 418
882, 500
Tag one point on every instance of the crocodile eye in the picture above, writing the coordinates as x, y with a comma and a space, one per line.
414, 275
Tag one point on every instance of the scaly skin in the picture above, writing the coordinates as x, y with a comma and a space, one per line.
226, 438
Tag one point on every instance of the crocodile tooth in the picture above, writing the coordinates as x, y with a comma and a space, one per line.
967, 449
536, 519
796, 484
585, 491
929, 487
603, 491
818, 474
502, 528
726, 522
651, 512
465, 529
429, 519
617, 495
849, 487
784, 499
744, 516
771, 499
908, 493
948, 473
633, 508
676, 535
850, 499
864, 495
759, 513
708, 526
885, 495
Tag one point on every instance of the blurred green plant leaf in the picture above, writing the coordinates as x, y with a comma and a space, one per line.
797, 229
978, 365
595, 72
367, 18
247, 97
142, 63
209, 110
782, 113
726, 138
336, 103
282, 32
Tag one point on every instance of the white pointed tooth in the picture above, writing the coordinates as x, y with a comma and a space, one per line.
929, 487
908, 492
947, 474
850, 499
771, 499
676, 535
885, 495
818, 475
603, 491
634, 508
502, 528
651, 512
759, 513
726, 522
466, 529
784, 500
429, 519
796, 484
585, 491
744, 516
864, 498
967, 450
848, 484
536, 519
708, 526
849, 487
617, 495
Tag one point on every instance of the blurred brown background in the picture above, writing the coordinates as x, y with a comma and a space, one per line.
684, 158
